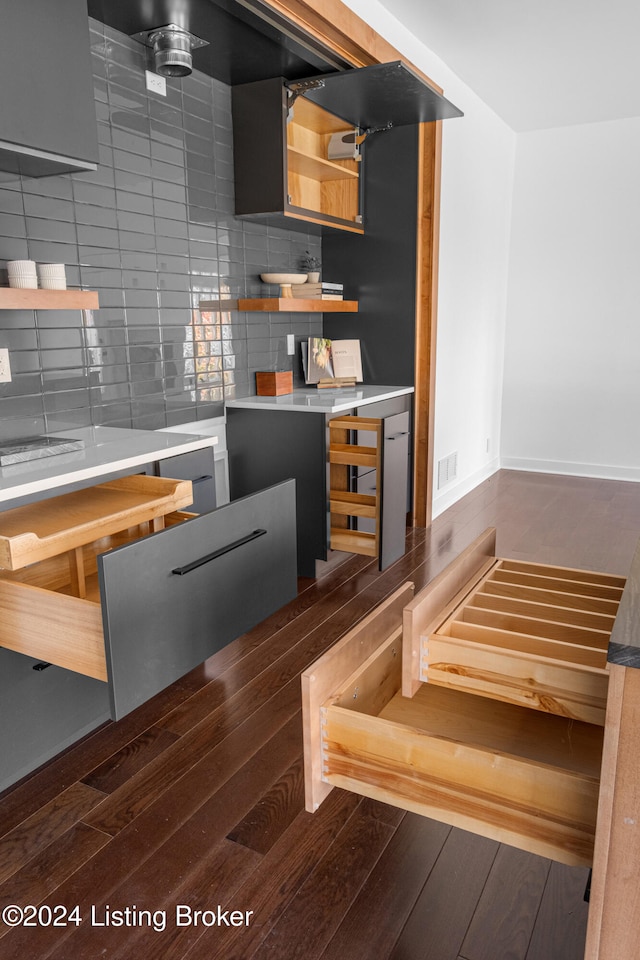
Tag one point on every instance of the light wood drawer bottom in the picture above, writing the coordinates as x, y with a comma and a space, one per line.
512, 774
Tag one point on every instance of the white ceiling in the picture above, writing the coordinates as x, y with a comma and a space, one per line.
543, 63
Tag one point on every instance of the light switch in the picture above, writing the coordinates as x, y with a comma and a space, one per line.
5, 368
291, 344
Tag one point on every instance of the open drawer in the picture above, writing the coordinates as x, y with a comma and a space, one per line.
148, 608
527, 777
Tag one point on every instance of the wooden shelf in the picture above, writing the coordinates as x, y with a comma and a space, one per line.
14, 298
344, 503
282, 305
317, 168
351, 453
353, 541
352, 504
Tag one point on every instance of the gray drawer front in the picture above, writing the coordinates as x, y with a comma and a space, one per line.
159, 624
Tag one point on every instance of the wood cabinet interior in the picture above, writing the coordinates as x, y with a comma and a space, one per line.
343, 503
475, 756
328, 187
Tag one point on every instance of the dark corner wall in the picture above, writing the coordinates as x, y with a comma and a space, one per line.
153, 231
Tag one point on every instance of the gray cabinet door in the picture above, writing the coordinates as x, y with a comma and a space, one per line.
172, 599
48, 118
394, 488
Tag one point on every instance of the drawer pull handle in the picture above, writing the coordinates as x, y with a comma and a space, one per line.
188, 567
397, 436
207, 476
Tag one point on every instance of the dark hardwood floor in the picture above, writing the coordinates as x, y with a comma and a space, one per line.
197, 797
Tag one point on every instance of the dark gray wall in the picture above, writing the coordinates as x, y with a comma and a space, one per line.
153, 232
382, 263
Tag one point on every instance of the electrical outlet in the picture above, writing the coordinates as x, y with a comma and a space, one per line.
156, 83
291, 344
5, 368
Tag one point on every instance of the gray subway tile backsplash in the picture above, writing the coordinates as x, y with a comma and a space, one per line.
153, 231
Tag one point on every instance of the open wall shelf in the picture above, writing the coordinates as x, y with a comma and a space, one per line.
14, 298
282, 305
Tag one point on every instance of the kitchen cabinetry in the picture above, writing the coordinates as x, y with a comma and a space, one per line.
384, 503
48, 113
286, 132
269, 445
478, 702
136, 610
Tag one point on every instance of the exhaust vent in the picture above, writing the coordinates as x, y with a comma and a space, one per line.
447, 469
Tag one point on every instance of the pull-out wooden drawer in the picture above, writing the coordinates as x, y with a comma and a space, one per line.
526, 633
527, 777
154, 606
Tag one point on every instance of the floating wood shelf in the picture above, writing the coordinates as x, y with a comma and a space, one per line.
282, 305
13, 298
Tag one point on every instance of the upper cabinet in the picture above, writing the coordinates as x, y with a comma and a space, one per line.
299, 145
48, 111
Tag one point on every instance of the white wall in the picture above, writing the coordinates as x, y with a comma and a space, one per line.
572, 363
477, 180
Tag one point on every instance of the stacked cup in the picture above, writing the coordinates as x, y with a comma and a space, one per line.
22, 273
52, 276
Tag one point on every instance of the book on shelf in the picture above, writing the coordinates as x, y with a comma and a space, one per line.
320, 296
332, 360
307, 290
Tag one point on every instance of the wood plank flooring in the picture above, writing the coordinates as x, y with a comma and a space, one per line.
197, 797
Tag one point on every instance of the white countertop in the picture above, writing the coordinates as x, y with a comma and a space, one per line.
106, 450
312, 400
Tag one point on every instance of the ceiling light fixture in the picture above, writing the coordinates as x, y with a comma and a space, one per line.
172, 46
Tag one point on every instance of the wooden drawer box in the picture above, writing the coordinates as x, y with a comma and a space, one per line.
471, 756
136, 609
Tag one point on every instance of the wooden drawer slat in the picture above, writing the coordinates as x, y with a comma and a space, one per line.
562, 573
545, 611
547, 629
578, 654
540, 595
563, 586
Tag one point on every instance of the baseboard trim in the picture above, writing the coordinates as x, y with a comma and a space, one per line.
598, 471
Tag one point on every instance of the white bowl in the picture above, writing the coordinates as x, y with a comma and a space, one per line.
283, 277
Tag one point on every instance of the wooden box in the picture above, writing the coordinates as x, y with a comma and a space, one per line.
272, 384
